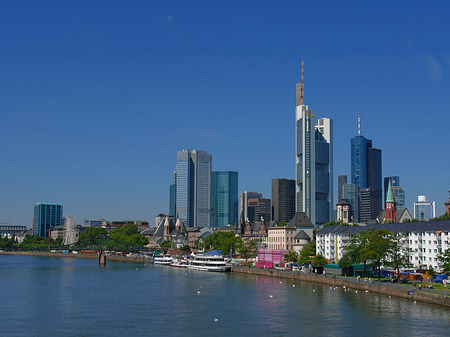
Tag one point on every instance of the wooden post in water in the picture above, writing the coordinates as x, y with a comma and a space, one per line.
102, 258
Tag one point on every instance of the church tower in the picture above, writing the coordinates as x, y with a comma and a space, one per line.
389, 215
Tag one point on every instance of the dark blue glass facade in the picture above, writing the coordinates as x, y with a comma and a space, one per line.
46, 216
224, 198
366, 173
359, 161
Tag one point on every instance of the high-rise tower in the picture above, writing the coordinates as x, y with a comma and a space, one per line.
193, 188
224, 198
314, 161
366, 174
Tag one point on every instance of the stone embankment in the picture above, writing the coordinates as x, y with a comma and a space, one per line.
375, 287
116, 258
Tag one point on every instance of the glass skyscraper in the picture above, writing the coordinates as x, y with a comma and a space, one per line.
350, 193
314, 162
366, 173
193, 188
46, 216
224, 198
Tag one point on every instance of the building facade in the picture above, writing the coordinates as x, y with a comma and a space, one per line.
258, 208
8, 230
350, 193
314, 162
245, 196
193, 188
46, 216
424, 209
283, 199
366, 173
425, 239
342, 180
224, 198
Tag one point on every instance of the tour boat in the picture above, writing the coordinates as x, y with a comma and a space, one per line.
162, 259
209, 263
179, 263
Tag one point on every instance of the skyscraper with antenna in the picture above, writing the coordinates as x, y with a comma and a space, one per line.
314, 161
366, 173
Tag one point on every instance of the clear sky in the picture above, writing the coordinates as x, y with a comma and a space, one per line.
96, 97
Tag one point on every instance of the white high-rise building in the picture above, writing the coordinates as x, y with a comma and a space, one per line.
314, 162
424, 207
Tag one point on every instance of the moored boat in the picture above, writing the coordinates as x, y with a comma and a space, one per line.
162, 259
209, 263
180, 263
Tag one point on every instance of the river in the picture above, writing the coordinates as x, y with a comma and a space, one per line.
45, 296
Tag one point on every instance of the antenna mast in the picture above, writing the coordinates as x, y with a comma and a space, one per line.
359, 125
301, 93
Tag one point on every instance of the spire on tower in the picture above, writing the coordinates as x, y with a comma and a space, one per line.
359, 125
301, 94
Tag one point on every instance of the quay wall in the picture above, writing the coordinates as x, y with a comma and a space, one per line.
393, 290
129, 259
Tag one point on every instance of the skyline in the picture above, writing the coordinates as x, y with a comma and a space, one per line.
97, 99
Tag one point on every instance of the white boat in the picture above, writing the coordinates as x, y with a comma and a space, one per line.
209, 263
162, 259
179, 263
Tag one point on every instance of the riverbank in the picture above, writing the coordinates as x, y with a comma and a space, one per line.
375, 287
113, 258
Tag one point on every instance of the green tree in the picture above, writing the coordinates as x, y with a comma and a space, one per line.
224, 241
319, 261
93, 233
378, 248
307, 253
444, 261
358, 250
444, 216
345, 262
292, 256
335, 223
398, 252
166, 245
186, 249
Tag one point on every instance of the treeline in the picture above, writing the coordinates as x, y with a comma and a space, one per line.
122, 238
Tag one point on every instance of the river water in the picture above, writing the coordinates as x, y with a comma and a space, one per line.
45, 296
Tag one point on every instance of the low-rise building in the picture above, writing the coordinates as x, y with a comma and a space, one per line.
426, 239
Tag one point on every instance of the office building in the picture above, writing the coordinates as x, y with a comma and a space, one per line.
224, 198
258, 208
173, 196
342, 180
245, 196
424, 209
283, 199
95, 223
314, 162
366, 173
193, 188
46, 216
350, 193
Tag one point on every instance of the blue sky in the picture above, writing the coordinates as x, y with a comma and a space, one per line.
96, 97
